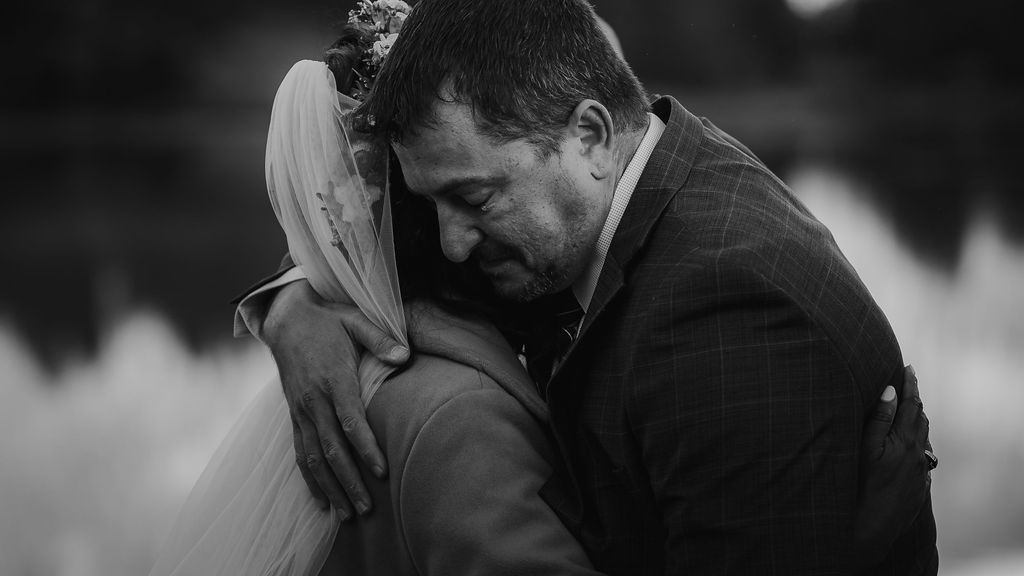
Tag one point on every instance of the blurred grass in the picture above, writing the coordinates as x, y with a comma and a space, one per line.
98, 456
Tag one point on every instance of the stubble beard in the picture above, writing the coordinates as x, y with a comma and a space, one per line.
541, 284
535, 286
578, 245
554, 278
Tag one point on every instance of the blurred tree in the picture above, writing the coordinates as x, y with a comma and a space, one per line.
702, 43
133, 132
924, 101
916, 41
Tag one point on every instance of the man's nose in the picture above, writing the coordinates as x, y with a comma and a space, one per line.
459, 234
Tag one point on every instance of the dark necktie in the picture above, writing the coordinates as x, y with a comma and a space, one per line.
558, 323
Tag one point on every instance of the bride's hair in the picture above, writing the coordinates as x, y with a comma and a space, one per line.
346, 57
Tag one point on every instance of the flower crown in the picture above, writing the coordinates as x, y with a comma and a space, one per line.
385, 17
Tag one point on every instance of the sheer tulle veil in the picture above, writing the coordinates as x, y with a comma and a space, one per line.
329, 187
250, 513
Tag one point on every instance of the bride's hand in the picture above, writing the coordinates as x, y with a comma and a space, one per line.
895, 472
314, 343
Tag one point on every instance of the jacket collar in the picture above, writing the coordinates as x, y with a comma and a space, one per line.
470, 340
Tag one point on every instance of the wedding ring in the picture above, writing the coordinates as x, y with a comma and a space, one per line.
933, 460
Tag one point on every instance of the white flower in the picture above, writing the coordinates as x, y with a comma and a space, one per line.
382, 47
384, 14
395, 5
396, 22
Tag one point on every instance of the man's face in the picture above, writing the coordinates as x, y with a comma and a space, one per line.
529, 223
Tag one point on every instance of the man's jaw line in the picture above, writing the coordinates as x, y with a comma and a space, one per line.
513, 279
530, 286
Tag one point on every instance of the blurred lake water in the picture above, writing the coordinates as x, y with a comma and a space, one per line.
99, 452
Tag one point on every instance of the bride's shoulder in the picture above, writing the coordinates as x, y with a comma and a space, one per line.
411, 399
424, 384
455, 355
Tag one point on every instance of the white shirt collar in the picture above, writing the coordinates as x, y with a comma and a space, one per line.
584, 286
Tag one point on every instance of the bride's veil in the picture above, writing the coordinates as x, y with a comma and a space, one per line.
250, 511
329, 187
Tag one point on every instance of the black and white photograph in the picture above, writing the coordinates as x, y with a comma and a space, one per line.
546, 287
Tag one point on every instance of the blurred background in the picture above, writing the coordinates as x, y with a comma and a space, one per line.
134, 209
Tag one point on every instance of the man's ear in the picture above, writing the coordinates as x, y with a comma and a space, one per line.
591, 125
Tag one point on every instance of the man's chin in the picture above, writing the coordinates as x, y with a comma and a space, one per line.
507, 289
519, 288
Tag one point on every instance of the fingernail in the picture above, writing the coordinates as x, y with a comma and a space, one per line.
399, 353
378, 470
913, 373
889, 394
362, 507
344, 515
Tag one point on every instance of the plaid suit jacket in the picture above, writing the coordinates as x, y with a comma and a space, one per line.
711, 410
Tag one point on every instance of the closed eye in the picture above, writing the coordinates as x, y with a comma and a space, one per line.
473, 191
477, 198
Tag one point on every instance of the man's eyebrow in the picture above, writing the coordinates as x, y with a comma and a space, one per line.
455, 184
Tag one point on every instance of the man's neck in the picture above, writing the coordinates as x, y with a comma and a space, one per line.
625, 150
639, 145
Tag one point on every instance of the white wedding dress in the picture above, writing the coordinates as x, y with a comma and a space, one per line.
250, 513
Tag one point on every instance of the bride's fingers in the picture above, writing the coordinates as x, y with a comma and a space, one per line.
877, 428
911, 423
384, 347
911, 392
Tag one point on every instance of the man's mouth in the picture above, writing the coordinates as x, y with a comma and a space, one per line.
495, 266
495, 259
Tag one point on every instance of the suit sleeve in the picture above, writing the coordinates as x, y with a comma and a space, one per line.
749, 425
469, 494
251, 305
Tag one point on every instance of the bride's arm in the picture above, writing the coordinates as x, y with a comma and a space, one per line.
316, 345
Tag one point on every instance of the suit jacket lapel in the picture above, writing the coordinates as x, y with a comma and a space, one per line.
665, 173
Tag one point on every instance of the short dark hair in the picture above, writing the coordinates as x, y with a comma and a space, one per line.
423, 270
522, 65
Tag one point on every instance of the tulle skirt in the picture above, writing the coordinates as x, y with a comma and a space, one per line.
250, 513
